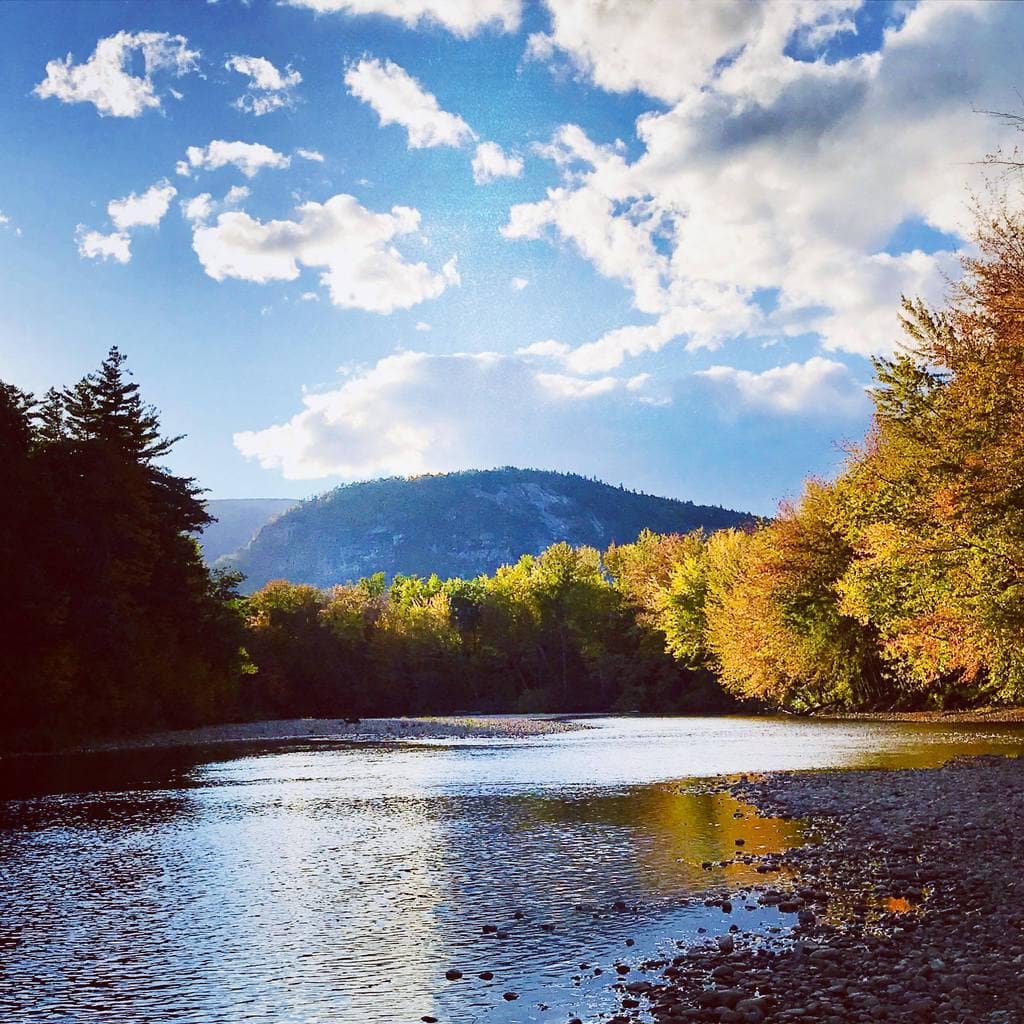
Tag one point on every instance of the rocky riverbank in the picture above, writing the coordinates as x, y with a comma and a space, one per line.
910, 909
982, 716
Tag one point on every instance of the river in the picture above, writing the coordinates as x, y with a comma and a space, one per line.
338, 883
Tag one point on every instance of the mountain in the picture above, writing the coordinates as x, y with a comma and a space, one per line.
238, 520
455, 524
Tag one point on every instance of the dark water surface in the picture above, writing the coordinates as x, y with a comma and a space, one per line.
320, 883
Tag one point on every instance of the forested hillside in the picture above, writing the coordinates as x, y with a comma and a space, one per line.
456, 524
898, 584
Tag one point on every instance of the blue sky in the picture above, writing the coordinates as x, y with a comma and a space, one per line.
651, 242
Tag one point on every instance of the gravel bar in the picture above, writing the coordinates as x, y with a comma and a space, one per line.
366, 730
909, 909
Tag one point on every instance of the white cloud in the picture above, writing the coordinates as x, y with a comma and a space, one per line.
422, 325
517, 284
362, 267
669, 49
460, 17
608, 226
549, 349
564, 386
710, 312
198, 208
492, 162
309, 297
314, 156
762, 202
95, 245
146, 210
249, 157
202, 207
417, 412
104, 79
269, 88
7, 225
399, 99
613, 347
817, 387
132, 211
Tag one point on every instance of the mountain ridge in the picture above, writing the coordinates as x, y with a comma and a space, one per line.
456, 524
236, 522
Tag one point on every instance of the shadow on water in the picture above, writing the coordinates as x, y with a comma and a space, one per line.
310, 882
29, 775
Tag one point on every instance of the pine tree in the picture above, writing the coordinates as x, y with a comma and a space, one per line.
115, 621
51, 419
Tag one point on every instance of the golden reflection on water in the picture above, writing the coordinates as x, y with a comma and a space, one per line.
673, 830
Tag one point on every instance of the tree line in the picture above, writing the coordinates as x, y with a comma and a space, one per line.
900, 583
112, 622
553, 632
110, 619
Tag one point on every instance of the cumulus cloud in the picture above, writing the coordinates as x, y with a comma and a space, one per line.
770, 175
95, 245
818, 387
669, 49
612, 348
249, 157
564, 386
399, 99
198, 208
314, 156
362, 267
491, 162
460, 17
104, 80
202, 207
146, 210
417, 412
132, 211
549, 349
517, 284
269, 88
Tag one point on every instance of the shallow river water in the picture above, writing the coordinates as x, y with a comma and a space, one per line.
326, 883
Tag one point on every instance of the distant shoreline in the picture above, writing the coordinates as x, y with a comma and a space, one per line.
446, 727
366, 730
981, 716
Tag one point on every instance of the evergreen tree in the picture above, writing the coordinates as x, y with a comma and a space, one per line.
116, 621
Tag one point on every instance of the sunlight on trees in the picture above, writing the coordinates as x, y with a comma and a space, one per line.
898, 584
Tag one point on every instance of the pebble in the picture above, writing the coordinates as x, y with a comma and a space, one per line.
909, 910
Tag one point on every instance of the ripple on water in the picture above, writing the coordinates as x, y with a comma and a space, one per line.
341, 884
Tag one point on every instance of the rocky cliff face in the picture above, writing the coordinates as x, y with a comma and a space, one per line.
455, 524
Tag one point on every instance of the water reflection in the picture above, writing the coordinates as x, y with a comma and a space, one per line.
339, 884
